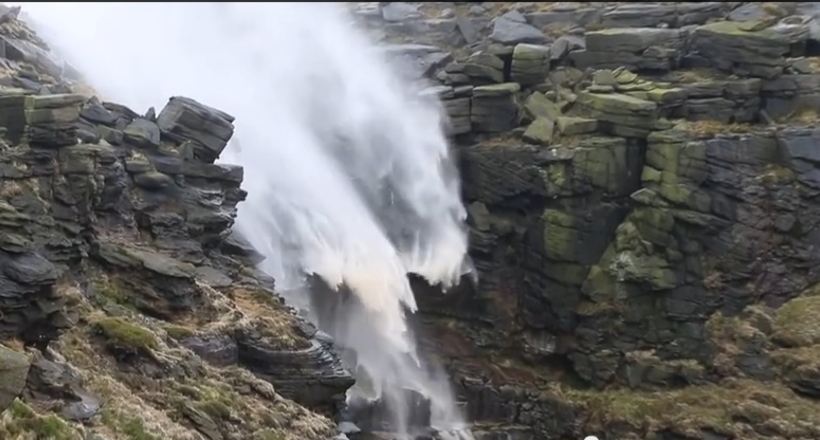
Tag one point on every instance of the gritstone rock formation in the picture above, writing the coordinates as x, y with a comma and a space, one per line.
642, 184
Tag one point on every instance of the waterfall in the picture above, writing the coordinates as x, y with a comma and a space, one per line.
348, 172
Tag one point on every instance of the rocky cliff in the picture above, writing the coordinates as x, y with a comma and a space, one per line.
641, 181
128, 308
642, 184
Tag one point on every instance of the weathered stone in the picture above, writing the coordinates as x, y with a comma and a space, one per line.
311, 376
537, 105
153, 180
142, 133
728, 47
530, 64
633, 48
540, 131
209, 129
14, 368
570, 125
512, 28
495, 108
484, 67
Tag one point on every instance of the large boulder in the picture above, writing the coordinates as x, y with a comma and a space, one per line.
186, 119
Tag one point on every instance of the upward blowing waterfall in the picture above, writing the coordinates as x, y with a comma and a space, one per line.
347, 169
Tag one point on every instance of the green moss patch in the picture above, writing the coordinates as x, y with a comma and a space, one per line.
797, 323
120, 334
20, 421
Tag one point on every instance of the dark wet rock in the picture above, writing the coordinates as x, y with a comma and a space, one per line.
30, 269
312, 376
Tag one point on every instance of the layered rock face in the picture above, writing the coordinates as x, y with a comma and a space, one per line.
129, 310
641, 182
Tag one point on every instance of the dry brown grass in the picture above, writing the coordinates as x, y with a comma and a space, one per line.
775, 174
807, 115
797, 323
693, 76
500, 140
140, 407
14, 344
770, 407
729, 334
10, 189
710, 128
265, 313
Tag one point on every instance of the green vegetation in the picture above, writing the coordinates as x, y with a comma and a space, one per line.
179, 332
122, 335
20, 421
690, 409
111, 289
797, 323
131, 428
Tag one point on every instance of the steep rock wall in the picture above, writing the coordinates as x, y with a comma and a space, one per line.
640, 180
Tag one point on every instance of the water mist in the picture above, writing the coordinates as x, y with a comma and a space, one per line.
347, 169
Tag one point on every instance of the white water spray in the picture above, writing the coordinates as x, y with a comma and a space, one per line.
347, 169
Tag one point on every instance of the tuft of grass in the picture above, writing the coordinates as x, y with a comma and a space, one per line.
10, 189
178, 331
693, 76
20, 421
112, 289
131, 428
797, 323
804, 115
711, 128
216, 409
268, 316
119, 334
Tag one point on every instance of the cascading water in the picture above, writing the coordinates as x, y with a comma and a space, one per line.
347, 169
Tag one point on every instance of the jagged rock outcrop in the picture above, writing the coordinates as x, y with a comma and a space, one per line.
643, 228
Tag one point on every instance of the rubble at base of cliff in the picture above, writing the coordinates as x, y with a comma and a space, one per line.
641, 181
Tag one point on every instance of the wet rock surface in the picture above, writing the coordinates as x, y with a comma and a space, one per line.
641, 185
